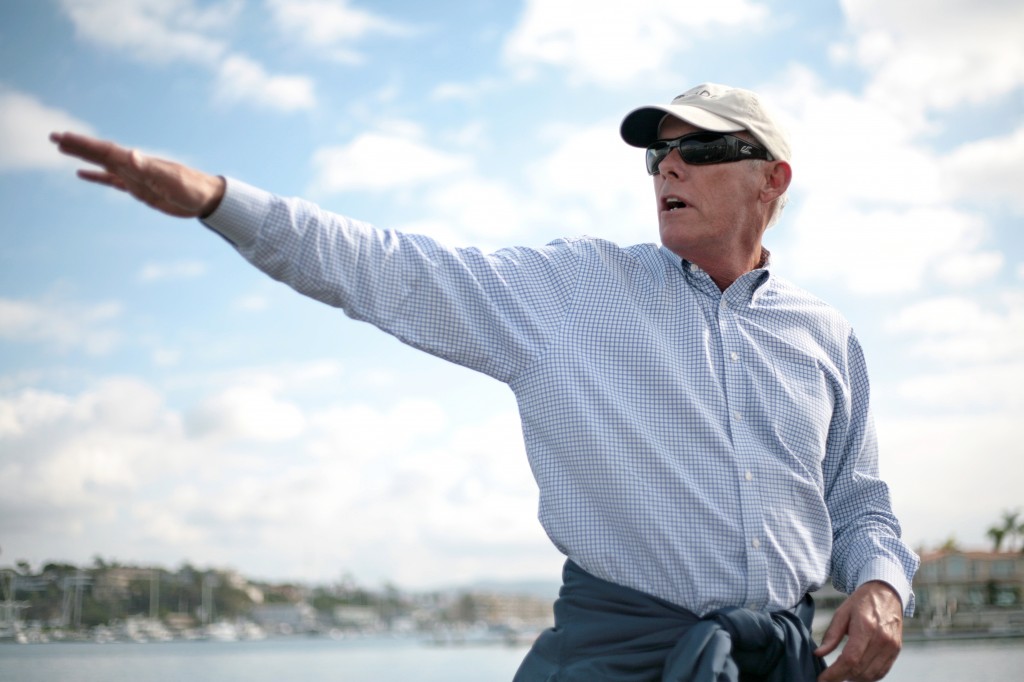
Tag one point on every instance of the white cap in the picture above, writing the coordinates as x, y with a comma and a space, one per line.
711, 107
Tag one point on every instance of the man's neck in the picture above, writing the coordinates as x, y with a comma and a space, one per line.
723, 272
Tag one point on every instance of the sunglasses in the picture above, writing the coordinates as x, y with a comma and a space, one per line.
704, 148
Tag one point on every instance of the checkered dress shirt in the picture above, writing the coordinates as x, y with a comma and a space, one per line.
709, 448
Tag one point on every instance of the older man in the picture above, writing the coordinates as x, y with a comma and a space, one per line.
699, 429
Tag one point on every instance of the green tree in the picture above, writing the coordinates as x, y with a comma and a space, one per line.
997, 534
1020, 535
1012, 527
1008, 530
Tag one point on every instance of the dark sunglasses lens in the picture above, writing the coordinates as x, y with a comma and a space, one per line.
704, 149
656, 153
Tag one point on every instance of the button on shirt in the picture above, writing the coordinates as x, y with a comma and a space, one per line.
709, 448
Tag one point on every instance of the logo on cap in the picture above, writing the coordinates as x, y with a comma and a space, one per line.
696, 92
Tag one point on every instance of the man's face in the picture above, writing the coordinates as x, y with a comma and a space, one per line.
706, 211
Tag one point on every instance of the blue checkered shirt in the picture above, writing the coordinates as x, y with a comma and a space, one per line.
710, 448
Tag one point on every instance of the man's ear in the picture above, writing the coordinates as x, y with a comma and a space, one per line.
778, 175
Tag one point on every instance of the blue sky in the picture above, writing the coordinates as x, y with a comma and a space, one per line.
161, 401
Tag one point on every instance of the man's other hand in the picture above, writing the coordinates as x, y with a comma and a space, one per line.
872, 618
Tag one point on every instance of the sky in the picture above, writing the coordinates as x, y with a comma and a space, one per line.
163, 402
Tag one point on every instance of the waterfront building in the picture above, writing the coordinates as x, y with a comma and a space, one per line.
970, 591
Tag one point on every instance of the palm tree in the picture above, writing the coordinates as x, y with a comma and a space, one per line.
1012, 527
1010, 530
997, 534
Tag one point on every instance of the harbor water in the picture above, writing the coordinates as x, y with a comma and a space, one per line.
386, 660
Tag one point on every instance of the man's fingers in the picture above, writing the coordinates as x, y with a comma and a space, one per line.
103, 178
828, 643
165, 185
879, 656
122, 167
873, 664
89, 148
847, 666
863, 660
834, 634
837, 672
878, 667
100, 152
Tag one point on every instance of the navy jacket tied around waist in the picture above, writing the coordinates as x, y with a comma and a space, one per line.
606, 632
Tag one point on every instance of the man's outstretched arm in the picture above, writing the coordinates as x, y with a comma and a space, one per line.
167, 186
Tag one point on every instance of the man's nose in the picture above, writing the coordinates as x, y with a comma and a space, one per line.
673, 164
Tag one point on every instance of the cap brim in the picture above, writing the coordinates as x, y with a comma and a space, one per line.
640, 127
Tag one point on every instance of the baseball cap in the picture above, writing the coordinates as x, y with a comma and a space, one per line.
710, 106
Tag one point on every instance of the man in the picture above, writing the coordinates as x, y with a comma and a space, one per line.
699, 429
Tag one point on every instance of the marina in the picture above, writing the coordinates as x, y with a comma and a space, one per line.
382, 659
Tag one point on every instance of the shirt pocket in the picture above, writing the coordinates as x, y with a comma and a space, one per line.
800, 407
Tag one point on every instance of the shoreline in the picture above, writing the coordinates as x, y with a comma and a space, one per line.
939, 637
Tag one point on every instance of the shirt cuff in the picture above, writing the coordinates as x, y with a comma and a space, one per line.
890, 573
240, 214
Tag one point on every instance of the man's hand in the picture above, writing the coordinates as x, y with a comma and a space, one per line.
167, 186
873, 618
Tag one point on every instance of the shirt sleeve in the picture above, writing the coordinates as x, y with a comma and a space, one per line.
867, 542
494, 313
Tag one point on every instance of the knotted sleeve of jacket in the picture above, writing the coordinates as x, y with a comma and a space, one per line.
610, 633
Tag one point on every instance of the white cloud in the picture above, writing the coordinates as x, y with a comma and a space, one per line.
165, 357
612, 43
383, 161
484, 213
887, 210
923, 56
175, 31
850, 146
71, 457
882, 250
155, 272
161, 31
246, 413
588, 183
594, 184
990, 169
25, 126
874, 209
968, 389
32, 409
365, 434
952, 473
962, 270
62, 325
275, 378
962, 330
465, 91
330, 27
242, 80
402, 492
253, 303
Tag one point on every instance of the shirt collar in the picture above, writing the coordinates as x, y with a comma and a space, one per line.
746, 290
